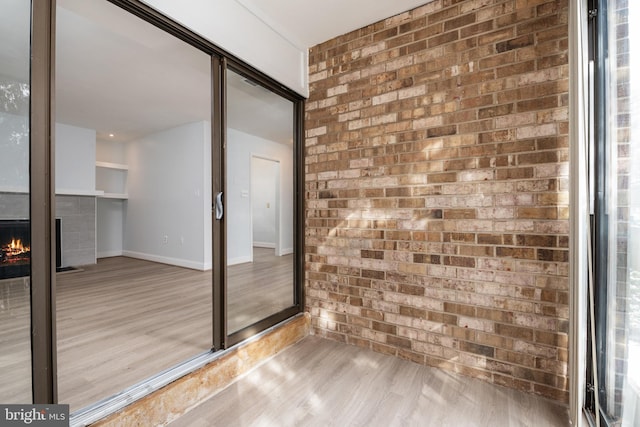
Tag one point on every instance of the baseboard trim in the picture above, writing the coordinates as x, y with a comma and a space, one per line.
167, 260
264, 245
239, 260
286, 251
108, 254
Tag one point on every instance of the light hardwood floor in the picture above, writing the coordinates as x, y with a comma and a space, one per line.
258, 289
123, 320
324, 383
15, 344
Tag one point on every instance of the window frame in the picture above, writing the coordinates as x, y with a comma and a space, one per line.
600, 163
598, 52
42, 203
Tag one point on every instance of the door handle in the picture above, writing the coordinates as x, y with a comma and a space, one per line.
219, 207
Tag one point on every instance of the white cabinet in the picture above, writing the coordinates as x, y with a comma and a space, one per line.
111, 178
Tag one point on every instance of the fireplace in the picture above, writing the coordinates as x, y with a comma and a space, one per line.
15, 248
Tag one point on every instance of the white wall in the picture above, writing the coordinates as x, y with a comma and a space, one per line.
14, 146
111, 152
75, 159
109, 227
14, 102
75, 156
265, 175
232, 27
240, 149
169, 191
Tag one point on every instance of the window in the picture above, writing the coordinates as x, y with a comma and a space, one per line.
133, 195
616, 219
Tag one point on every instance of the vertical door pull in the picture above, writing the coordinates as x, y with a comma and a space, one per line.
219, 206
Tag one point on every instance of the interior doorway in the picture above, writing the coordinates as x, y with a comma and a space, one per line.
265, 203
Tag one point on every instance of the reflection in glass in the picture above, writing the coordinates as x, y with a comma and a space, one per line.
259, 202
631, 280
133, 193
621, 390
15, 295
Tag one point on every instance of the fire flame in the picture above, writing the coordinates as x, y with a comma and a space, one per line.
16, 247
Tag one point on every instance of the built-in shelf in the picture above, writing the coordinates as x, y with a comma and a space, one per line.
121, 196
109, 165
13, 189
59, 191
74, 192
111, 179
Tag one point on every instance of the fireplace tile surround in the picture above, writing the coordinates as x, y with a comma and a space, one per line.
78, 215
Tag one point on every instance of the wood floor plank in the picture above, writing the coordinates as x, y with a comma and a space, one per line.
123, 320
15, 344
325, 383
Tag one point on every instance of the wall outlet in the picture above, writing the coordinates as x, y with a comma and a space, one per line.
165, 239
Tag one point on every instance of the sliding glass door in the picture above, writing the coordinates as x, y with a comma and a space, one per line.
133, 200
616, 59
15, 230
259, 197
120, 203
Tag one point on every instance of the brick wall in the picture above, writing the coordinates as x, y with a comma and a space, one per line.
436, 189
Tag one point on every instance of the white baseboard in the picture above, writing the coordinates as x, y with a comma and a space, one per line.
286, 251
167, 260
264, 245
239, 260
108, 254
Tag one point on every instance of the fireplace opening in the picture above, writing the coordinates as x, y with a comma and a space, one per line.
15, 248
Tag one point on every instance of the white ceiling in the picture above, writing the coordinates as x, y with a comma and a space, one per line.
129, 79
132, 79
306, 23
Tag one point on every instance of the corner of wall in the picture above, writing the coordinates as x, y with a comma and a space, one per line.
305, 72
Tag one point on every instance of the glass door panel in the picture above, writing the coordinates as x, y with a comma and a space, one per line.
259, 202
621, 395
133, 195
15, 284
618, 217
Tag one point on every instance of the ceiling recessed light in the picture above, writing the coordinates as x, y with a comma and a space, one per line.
111, 135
